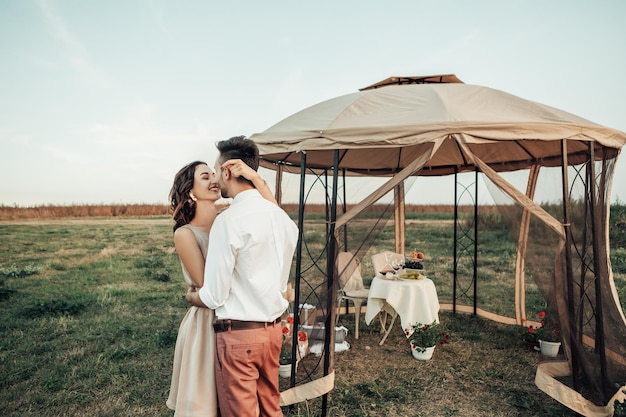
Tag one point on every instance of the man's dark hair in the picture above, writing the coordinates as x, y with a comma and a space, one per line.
239, 147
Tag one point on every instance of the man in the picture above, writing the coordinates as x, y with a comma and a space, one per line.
251, 246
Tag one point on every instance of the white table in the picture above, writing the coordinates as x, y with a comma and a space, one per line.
415, 301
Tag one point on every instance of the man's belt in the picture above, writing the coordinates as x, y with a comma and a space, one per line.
223, 325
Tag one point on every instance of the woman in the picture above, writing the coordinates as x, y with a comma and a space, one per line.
192, 198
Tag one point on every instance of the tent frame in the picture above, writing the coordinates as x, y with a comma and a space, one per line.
350, 127
334, 223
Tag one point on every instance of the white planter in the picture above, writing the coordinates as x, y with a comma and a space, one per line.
284, 371
423, 356
550, 349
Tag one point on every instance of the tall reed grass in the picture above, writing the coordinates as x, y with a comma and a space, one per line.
85, 210
8, 213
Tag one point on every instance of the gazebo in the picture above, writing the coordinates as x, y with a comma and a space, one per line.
404, 127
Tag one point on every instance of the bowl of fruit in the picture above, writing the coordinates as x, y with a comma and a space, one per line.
414, 261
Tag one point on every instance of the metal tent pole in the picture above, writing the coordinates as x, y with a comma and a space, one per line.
456, 242
331, 300
567, 227
476, 241
595, 230
327, 207
344, 208
298, 272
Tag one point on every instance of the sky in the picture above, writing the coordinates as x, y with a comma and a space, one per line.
101, 102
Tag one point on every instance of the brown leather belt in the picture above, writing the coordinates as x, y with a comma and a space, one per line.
223, 325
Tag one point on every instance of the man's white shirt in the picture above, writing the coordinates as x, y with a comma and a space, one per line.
251, 247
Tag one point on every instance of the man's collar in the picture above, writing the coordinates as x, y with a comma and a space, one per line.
246, 194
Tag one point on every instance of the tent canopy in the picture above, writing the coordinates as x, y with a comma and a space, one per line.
437, 125
390, 127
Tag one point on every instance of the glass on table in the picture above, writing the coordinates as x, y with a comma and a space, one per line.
396, 264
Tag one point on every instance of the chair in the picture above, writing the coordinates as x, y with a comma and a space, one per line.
382, 263
351, 285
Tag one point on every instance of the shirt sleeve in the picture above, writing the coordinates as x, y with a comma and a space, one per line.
220, 264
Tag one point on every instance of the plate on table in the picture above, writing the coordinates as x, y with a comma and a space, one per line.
408, 274
412, 279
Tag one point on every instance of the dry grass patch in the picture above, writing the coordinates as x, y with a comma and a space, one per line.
484, 370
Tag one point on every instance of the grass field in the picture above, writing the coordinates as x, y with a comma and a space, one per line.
90, 309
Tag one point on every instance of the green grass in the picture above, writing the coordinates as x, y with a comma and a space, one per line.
88, 329
90, 311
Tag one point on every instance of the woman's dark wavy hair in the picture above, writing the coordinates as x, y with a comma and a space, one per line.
183, 208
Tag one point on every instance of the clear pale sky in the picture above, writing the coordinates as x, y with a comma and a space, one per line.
103, 101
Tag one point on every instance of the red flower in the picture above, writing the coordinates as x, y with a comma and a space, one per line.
549, 330
285, 330
290, 319
302, 336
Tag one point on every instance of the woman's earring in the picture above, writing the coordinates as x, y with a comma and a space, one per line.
193, 197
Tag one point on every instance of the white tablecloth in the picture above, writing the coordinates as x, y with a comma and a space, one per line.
415, 301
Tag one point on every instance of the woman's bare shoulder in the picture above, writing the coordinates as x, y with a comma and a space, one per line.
183, 233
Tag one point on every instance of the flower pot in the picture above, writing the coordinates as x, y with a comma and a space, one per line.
550, 349
423, 356
284, 371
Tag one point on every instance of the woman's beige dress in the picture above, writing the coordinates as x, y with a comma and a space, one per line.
193, 392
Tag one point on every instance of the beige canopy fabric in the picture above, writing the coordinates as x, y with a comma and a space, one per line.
381, 131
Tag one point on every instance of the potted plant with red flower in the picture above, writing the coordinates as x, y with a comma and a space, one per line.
549, 335
303, 344
425, 337
286, 358
529, 336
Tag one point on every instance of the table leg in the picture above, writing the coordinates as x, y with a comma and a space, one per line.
393, 320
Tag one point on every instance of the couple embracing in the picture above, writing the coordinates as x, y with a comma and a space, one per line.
237, 265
